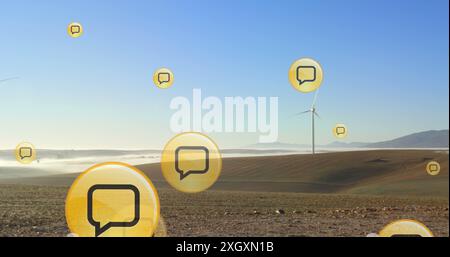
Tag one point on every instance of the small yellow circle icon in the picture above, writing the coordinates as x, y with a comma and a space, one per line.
340, 131
405, 228
433, 168
75, 30
25, 153
306, 75
112, 200
163, 78
191, 162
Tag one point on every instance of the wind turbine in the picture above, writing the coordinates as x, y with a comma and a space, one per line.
314, 113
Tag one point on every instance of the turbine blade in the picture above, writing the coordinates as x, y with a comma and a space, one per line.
300, 113
8, 79
318, 116
315, 99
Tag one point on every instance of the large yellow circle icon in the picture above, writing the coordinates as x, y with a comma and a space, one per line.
191, 162
112, 200
306, 75
405, 228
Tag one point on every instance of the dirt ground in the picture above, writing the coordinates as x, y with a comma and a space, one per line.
39, 211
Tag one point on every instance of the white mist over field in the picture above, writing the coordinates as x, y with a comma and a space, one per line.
53, 162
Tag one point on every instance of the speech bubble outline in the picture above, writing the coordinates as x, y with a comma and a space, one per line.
406, 235
340, 131
434, 167
99, 229
23, 149
184, 174
300, 81
161, 81
75, 29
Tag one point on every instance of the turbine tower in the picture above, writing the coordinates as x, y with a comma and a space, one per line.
314, 113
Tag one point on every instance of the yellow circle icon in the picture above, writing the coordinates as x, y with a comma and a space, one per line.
405, 228
191, 162
306, 75
433, 168
340, 131
25, 153
112, 200
75, 30
163, 78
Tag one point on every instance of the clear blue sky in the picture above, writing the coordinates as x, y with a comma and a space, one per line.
386, 67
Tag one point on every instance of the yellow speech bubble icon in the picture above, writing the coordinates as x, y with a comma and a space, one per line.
122, 199
191, 162
25, 153
163, 78
340, 131
405, 228
305, 75
75, 30
112, 200
433, 168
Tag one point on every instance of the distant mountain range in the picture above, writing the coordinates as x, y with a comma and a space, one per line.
426, 139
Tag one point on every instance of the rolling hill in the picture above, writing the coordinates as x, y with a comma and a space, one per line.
427, 139
374, 172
